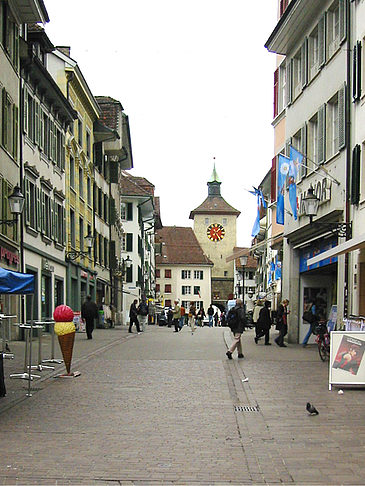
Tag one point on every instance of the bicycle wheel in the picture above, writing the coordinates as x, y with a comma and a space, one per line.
322, 350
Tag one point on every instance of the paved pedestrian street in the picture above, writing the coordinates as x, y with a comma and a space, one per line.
169, 408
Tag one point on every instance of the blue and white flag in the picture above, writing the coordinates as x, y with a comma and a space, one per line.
296, 159
282, 173
277, 269
260, 202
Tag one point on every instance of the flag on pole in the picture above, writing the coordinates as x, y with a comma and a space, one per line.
260, 202
277, 269
296, 159
282, 173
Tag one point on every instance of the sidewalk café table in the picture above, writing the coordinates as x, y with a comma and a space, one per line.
5, 330
52, 359
27, 373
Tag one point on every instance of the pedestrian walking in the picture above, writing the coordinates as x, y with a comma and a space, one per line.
143, 313
282, 322
176, 316
256, 314
200, 317
210, 315
310, 316
216, 319
133, 316
264, 323
237, 321
170, 315
89, 311
182, 317
192, 316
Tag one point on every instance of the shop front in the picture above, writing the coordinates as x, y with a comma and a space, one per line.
9, 260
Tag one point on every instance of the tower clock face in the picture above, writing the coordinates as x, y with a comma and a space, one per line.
215, 232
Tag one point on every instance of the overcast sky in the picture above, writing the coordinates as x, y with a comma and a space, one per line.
196, 82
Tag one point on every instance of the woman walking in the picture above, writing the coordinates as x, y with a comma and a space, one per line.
191, 317
264, 323
282, 322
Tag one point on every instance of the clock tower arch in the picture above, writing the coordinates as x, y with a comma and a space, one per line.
216, 230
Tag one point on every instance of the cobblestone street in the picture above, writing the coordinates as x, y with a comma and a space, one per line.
170, 408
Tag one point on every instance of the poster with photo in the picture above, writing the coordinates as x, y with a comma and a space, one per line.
347, 362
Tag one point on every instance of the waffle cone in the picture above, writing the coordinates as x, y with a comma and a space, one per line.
67, 343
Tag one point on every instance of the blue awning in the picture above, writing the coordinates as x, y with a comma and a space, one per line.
16, 282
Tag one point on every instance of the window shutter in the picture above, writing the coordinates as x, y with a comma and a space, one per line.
15, 131
321, 134
39, 212
341, 118
43, 212
342, 11
276, 92
41, 129
113, 172
98, 155
129, 241
273, 179
358, 80
321, 42
354, 73
112, 255
25, 108
52, 217
303, 149
56, 224
112, 216
355, 175
63, 226
304, 63
5, 119
129, 211
289, 71
27, 202
36, 122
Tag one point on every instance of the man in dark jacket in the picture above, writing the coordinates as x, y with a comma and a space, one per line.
237, 324
89, 311
264, 323
133, 316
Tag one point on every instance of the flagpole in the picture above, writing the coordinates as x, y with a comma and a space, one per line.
317, 166
273, 203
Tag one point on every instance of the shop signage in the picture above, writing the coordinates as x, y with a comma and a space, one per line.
318, 247
83, 274
322, 189
347, 362
47, 266
12, 258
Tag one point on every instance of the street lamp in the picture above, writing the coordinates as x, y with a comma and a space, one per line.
16, 203
311, 203
243, 262
122, 266
72, 255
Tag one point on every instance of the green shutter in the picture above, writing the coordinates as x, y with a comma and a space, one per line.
321, 134
113, 172
39, 209
5, 119
321, 42
27, 202
303, 149
304, 63
342, 11
15, 131
112, 255
129, 274
129, 211
355, 175
129, 242
52, 204
341, 118
63, 226
25, 108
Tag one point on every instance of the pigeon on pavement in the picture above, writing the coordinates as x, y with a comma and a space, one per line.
311, 409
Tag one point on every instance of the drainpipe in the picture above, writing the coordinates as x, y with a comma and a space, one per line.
348, 143
21, 184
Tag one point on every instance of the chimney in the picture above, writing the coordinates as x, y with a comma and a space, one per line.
65, 50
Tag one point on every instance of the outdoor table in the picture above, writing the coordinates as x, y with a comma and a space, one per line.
52, 358
26, 375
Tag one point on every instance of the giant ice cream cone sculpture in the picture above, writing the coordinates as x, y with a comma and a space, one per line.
65, 330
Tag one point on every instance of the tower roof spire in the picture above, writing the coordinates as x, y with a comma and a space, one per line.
214, 177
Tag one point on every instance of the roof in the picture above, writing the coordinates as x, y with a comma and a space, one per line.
180, 246
136, 186
110, 109
214, 205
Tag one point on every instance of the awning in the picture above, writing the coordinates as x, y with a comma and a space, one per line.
346, 247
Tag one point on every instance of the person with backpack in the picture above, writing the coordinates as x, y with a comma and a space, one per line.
143, 313
236, 320
176, 316
264, 323
310, 317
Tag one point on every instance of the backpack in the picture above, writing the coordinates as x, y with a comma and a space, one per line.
232, 318
308, 316
143, 309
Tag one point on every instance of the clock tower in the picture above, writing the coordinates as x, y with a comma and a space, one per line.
215, 228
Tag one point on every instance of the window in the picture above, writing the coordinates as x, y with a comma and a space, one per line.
157, 287
185, 304
198, 304
72, 172
186, 290
46, 218
197, 290
332, 128
72, 229
224, 221
5, 191
297, 74
225, 273
206, 220
129, 238
123, 242
81, 234
157, 273
10, 35
106, 252
185, 274
30, 204
9, 122
312, 142
81, 182
89, 191
88, 143
59, 223
123, 211
333, 28
313, 54
198, 274
79, 131
168, 289
167, 273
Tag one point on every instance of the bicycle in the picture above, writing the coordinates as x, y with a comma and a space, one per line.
323, 341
